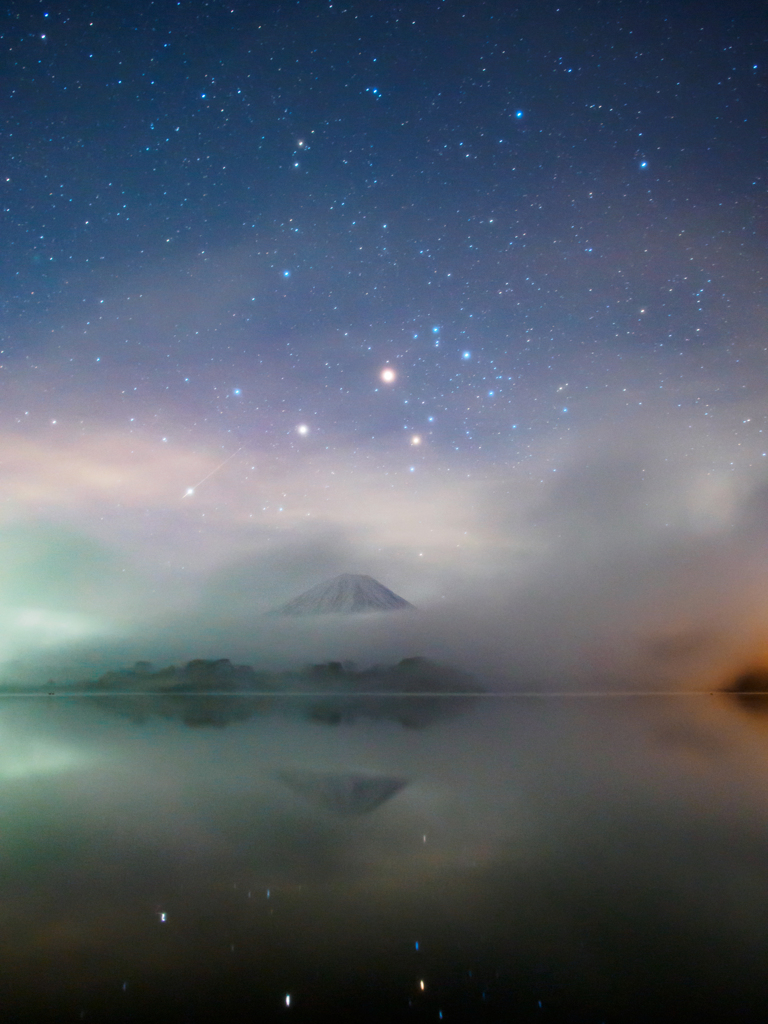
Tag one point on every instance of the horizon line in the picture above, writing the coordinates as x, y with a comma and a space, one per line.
573, 694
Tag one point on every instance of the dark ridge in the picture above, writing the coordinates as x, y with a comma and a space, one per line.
750, 689
414, 693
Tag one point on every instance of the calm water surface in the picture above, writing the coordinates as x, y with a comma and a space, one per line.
522, 859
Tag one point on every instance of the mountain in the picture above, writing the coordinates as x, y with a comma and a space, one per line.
346, 594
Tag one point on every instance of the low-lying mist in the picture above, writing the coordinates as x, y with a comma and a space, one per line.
640, 565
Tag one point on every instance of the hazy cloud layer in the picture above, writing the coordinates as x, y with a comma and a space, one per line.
615, 563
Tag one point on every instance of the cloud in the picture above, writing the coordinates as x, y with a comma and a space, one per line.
631, 562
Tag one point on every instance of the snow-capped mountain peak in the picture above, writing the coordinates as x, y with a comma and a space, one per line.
345, 594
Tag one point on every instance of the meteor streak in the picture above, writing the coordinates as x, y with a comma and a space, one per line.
191, 490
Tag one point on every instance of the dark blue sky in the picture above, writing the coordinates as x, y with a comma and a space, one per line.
486, 168
222, 221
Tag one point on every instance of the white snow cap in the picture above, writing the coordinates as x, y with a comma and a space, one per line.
345, 594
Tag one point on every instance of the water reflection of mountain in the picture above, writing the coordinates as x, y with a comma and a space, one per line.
343, 793
415, 692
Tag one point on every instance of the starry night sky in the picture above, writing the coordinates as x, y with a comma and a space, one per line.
221, 223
